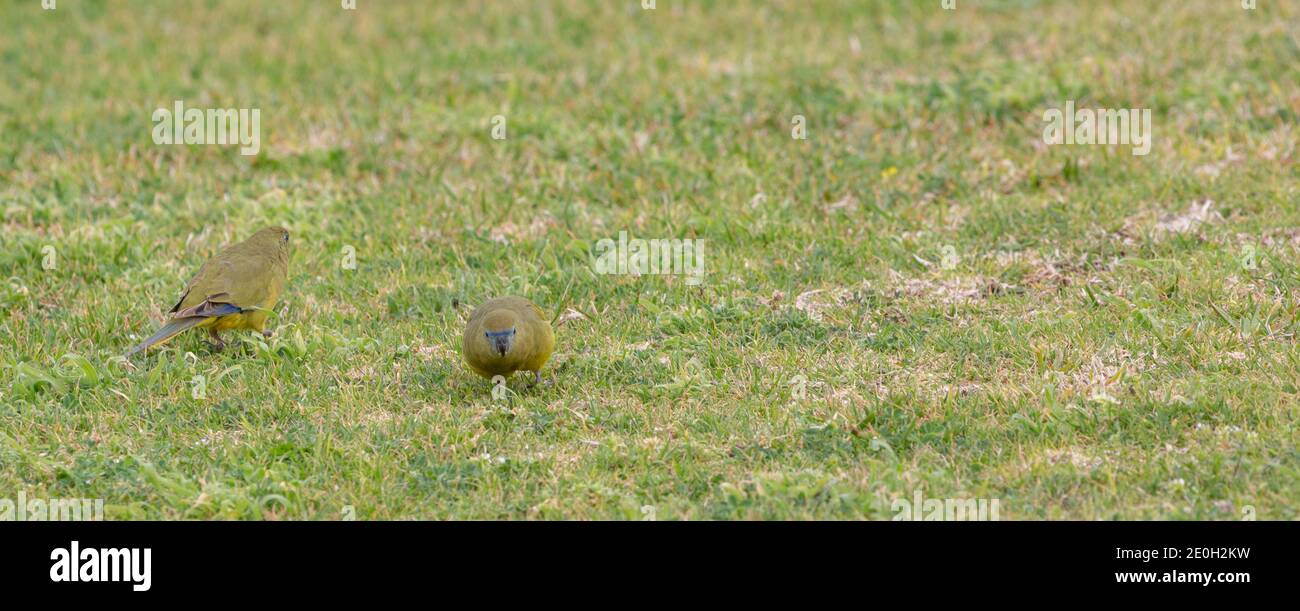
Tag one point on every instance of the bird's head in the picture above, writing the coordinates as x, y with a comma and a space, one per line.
272, 235
499, 331
275, 239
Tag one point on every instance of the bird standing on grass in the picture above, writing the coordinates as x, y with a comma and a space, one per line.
236, 289
505, 335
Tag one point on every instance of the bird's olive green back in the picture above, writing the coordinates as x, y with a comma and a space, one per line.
249, 274
523, 309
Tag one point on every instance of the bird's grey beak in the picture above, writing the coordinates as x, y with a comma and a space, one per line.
501, 341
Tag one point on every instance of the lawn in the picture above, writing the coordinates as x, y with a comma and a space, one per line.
918, 296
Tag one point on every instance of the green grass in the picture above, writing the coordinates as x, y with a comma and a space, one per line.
1079, 361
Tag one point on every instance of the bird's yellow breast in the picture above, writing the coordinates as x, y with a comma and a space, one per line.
255, 320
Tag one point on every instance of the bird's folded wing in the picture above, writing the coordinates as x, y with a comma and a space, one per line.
215, 305
230, 281
538, 311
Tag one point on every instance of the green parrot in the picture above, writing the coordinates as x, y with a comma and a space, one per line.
236, 289
505, 335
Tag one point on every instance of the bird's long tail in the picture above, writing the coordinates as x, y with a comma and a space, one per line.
167, 332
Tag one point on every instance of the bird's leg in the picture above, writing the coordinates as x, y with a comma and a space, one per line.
261, 328
214, 341
537, 379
